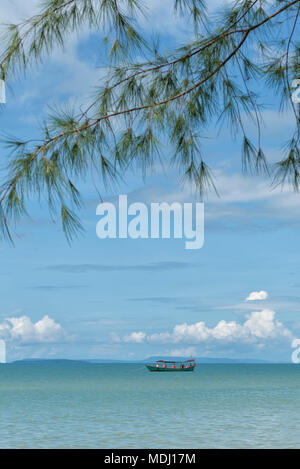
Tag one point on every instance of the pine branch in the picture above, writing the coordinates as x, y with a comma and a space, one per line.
143, 104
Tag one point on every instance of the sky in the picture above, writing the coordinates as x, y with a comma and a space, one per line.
237, 297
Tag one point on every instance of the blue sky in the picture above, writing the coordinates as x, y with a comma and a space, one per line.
134, 298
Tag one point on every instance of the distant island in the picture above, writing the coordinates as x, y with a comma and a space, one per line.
199, 360
207, 360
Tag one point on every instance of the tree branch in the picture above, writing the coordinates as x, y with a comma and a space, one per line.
246, 32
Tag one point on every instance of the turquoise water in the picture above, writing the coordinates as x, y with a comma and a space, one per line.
81, 405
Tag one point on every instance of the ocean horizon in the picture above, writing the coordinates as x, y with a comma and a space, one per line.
76, 404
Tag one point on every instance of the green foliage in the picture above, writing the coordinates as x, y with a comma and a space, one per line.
142, 106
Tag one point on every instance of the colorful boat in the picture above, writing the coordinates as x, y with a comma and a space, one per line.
169, 366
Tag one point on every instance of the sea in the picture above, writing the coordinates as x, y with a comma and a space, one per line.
66, 404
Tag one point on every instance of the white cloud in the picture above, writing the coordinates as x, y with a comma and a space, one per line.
23, 330
17, 10
259, 327
161, 18
257, 295
77, 78
135, 337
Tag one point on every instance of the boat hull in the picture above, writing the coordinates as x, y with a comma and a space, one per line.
169, 370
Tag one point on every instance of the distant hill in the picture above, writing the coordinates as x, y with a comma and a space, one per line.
108, 360
208, 360
199, 360
64, 360
48, 360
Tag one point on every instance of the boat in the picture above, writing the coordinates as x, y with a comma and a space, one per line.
170, 366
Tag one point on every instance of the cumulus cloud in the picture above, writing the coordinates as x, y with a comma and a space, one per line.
23, 330
135, 337
259, 327
257, 295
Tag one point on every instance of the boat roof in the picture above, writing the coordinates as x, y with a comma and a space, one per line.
176, 361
